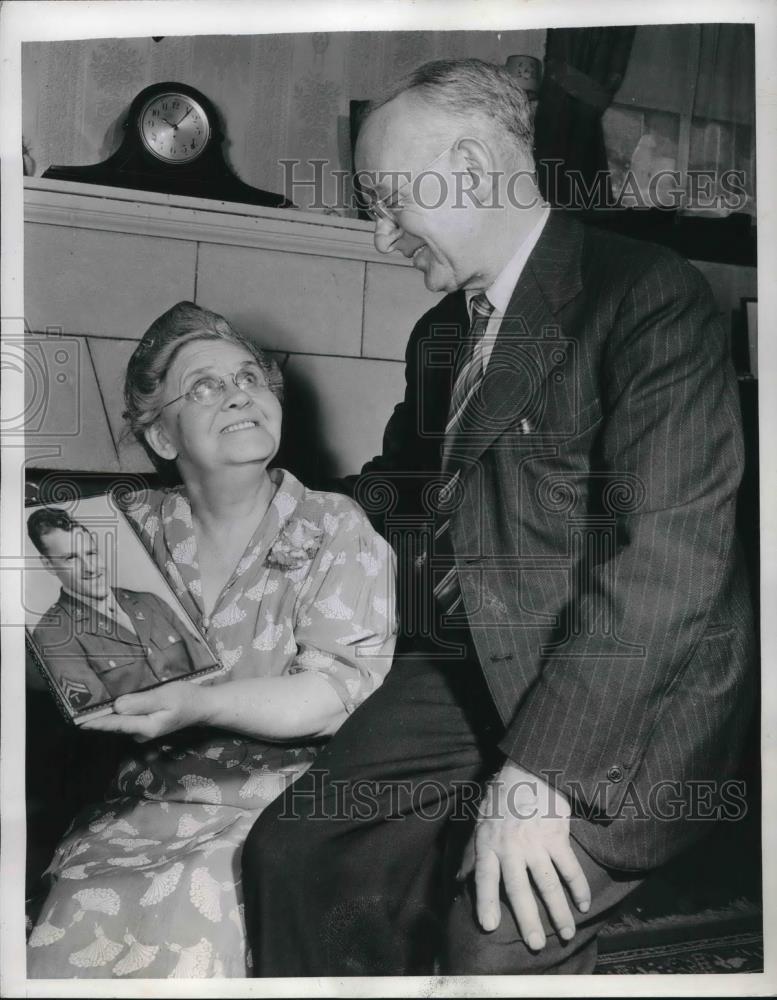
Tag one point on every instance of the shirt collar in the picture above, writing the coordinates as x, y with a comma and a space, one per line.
500, 292
81, 604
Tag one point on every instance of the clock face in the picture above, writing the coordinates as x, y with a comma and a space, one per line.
174, 128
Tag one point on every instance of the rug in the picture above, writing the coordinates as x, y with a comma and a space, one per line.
728, 940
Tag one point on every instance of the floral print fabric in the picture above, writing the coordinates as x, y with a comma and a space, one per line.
147, 883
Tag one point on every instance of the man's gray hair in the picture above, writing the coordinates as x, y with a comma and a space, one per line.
467, 89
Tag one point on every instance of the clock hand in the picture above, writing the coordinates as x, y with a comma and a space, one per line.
181, 119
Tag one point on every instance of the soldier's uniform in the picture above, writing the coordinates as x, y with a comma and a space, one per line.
94, 658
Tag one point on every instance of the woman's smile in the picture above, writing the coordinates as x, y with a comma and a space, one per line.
240, 425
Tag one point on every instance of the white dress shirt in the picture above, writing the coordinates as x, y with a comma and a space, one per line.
500, 292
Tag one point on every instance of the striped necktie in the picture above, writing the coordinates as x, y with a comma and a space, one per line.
468, 373
469, 366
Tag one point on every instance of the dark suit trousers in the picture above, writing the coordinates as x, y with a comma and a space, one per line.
346, 873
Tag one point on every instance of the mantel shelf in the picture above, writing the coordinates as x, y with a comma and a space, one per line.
87, 206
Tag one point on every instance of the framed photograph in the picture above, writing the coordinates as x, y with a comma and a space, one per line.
100, 619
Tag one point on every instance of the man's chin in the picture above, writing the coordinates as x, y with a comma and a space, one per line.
438, 283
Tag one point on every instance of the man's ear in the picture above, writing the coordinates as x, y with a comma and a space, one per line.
157, 438
479, 161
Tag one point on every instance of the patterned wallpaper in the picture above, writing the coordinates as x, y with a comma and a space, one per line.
281, 96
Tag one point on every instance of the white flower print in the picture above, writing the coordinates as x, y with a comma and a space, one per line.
45, 933
316, 659
185, 552
100, 952
139, 956
326, 561
75, 871
205, 894
263, 586
195, 587
284, 503
125, 862
124, 773
151, 527
102, 900
188, 826
369, 563
182, 511
248, 560
200, 789
228, 616
270, 636
193, 962
263, 785
228, 657
162, 884
131, 843
121, 826
102, 821
174, 575
333, 608
331, 524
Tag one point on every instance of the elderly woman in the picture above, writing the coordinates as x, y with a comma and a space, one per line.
293, 591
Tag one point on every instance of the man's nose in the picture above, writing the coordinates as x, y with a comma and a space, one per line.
386, 234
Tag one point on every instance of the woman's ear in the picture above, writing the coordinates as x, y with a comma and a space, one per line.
158, 439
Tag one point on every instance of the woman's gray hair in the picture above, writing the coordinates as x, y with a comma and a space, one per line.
467, 89
152, 359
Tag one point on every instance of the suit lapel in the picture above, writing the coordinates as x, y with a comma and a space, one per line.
512, 391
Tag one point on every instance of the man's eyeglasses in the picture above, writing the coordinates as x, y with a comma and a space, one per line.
210, 389
389, 207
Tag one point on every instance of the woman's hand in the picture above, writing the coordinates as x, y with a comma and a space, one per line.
149, 714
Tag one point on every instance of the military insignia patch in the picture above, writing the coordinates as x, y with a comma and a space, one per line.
76, 692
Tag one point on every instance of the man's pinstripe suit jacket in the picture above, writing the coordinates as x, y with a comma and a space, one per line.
593, 531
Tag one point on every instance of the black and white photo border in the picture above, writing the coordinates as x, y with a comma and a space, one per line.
27, 20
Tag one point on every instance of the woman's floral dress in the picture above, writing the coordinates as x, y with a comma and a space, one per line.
147, 883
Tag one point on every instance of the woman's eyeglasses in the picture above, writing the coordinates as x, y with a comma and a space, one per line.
210, 389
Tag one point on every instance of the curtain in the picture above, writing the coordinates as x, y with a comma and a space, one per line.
584, 68
722, 135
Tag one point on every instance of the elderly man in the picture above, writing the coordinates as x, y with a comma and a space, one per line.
561, 480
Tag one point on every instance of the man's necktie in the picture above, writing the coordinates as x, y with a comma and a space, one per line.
468, 373
469, 367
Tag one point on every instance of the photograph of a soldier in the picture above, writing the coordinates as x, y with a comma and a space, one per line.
100, 616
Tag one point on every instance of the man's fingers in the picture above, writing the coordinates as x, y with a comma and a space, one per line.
569, 867
524, 905
552, 893
468, 861
487, 877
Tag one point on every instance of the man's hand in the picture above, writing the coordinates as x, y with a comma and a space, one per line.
523, 830
149, 714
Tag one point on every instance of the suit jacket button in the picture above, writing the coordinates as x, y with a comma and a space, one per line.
615, 773
111, 663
